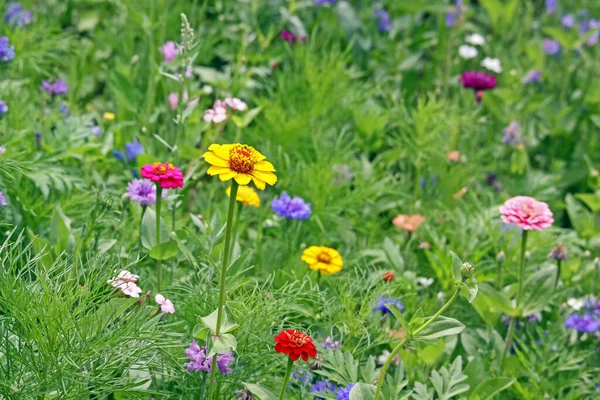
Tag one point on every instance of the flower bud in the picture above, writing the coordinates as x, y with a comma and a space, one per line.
500, 257
587, 254
559, 253
467, 270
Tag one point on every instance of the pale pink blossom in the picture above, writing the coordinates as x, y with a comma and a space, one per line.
166, 305
174, 100
235, 104
527, 213
125, 281
217, 114
169, 51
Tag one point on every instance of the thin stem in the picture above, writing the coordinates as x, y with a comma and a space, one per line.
222, 292
158, 262
513, 320
397, 349
286, 378
499, 275
558, 265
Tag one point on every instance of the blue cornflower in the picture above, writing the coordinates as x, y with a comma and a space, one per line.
532, 76
16, 16
133, 149
96, 130
384, 301
551, 6
303, 377
567, 21
385, 20
55, 88
291, 207
586, 323
551, 47
344, 392
322, 386
119, 155
7, 52
3, 108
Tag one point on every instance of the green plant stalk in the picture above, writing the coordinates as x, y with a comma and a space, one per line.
513, 320
158, 262
222, 294
397, 349
286, 378
499, 275
558, 265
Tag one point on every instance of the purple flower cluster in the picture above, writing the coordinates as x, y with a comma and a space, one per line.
385, 20
3, 108
291, 207
143, 191
551, 6
567, 21
384, 301
16, 16
7, 52
323, 386
589, 322
199, 362
343, 393
331, 344
55, 88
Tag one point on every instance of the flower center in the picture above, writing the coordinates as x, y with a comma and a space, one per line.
161, 169
242, 158
324, 258
298, 338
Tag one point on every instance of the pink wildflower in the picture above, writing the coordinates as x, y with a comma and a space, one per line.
235, 104
169, 51
527, 213
169, 176
126, 282
166, 305
217, 114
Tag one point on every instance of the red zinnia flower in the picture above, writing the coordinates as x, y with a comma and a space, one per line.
169, 176
295, 343
388, 276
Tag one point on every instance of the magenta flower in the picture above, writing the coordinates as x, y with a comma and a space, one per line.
527, 213
478, 80
169, 51
169, 176
200, 363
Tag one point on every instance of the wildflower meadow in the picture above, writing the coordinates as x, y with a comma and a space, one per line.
300, 199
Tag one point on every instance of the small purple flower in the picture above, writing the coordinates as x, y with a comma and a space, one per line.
304, 377
7, 52
3, 108
323, 2
291, 207
456, 12
567, 21
54, 89
551, 47
384, 301
133, 149
559, 253
16, 16
96, 130
169, 51
322, 386
512, 134
593, 39
199, 362
142, 191
329, 343
551, 6
533, 76
64, 110
385, 20
344, 392
288, 36
119, 155
586, 323
2, 200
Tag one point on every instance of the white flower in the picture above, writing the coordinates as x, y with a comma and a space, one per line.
467, 52
575, 304
475, 39
425, 282
493, 64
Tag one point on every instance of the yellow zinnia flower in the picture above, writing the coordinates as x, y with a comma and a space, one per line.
246, 195
109, 116
323, 259
240, 162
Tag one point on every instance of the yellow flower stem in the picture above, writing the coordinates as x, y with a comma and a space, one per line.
158, 262
222, 291
397, 349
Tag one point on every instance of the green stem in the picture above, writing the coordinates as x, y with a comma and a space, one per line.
595, 287
558, 265
286, 378
158, 262
236, 220
397, 349
222, 293
499, 276
513, 320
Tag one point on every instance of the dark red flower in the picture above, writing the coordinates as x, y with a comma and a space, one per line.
388, 276
478, 80
295, 343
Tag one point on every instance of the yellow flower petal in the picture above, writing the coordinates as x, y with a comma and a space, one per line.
216, 170
259, 184
268, 177
264, 166
227, 176
213, 159
243, 179
221, 150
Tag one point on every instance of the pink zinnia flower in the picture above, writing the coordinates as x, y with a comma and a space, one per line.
166, 305
235, 104
527, 213
169, 176
169, 51
126, 282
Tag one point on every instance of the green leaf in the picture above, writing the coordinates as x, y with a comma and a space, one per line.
260, 392
60, 230
227, 323
395, 310
538, 289
417, 320
363, 391
148, 230
442, 326
221, 344
200, 331
491, 387
472, 290
456, 266
165, 250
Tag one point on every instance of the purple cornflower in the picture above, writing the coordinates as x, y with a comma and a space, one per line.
54, 89
586, 323
322, 386
385, 21
512, 134
119, 155
7, 52
304, 377
2, 200
567, 21
199, 362
478, 80
3, 108
593, 39
169, 51
142, 191
329, 343
551, 6
551, 47
344, 392
16, 16
133, 149
96, 130
532, 76
291, 207
384, 301
559, 253
456, 12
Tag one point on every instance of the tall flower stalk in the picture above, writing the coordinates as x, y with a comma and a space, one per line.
158, 261
513, 320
